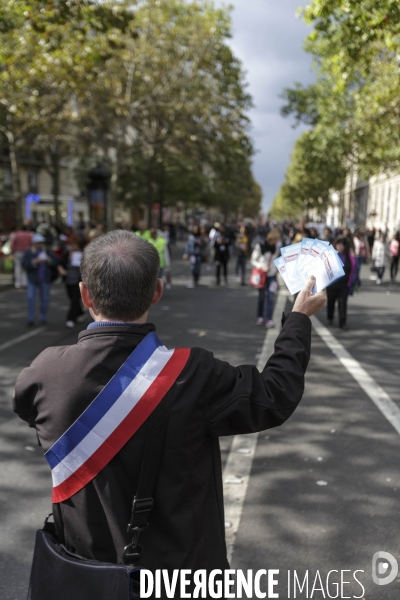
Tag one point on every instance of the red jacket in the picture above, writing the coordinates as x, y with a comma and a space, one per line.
21, 241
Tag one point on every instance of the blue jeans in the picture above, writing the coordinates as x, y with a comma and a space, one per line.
44, 290
195, 266
266, 298
241, 265
359, 262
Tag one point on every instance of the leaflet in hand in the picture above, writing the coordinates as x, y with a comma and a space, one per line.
309, 257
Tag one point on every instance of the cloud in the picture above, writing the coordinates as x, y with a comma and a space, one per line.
268, 39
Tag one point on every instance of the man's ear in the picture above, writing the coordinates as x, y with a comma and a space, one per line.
158, 292
85, 295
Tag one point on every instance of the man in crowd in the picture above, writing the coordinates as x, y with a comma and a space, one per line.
20, 243
143, 231
242, 253
40, 265
209, 398
160, 244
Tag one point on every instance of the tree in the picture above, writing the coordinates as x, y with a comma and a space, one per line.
50, 53
177, 90
151, 89
354, 102
316, 167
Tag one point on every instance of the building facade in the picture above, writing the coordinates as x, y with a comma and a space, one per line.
36, 181
372, 204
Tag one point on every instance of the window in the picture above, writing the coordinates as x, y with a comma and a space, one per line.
33, 181
7, 178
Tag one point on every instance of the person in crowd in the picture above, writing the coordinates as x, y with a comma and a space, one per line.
205, 398
160, 244
262, 258
39, 265
221, 255
166, 233
361, 254
301, 232
143, 231
339, 290
95, 232
69, 269
327, 235
214, 232
371, 233
48, 231
379, 251
242, 252
394, 250
172, 233
194, 251
21, 241
82, 234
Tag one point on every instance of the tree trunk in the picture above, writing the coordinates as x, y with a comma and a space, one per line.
149, 194
110, 205
19, 205
162, 194
55, 175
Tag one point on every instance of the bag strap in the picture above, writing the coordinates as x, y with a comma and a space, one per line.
143, 501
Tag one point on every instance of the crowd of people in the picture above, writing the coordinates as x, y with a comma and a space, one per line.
44, 253
260, 246
355, 249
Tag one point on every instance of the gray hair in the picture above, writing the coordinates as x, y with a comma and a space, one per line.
120, 270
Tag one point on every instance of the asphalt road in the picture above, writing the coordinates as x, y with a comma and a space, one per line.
336, 436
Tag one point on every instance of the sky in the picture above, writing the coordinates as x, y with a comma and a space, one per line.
268, 39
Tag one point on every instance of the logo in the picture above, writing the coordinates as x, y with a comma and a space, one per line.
384, 568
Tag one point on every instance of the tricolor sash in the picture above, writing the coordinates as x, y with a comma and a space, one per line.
114, 416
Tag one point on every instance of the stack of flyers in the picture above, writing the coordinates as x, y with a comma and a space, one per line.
309, 257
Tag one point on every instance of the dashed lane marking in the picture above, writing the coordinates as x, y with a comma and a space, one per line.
238, 465
21, 338
374, 391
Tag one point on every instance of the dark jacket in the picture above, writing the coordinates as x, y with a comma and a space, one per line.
32, 270
221, 247
210, 398
344, 282
73, 276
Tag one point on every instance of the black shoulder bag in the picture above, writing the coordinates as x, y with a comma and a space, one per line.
58, 574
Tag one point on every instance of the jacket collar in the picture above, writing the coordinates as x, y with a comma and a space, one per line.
117, 330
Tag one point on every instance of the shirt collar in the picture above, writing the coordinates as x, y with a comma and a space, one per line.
111, 324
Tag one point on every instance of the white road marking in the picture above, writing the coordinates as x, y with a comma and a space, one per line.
238, 465
21, 338
374, 391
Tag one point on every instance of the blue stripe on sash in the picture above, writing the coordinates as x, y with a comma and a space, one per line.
103, 401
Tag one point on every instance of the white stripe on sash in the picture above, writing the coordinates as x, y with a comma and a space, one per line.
115, 415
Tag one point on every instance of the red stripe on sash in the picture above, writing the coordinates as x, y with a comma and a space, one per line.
126, 429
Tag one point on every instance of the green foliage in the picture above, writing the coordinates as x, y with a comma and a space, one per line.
353, 107
316, 167
151, 88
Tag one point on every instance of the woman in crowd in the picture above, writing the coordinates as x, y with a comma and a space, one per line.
69, 268
339, 290
379, 257
242, 250
361, 253
195, 249
221, 254
394, 250
262, 258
